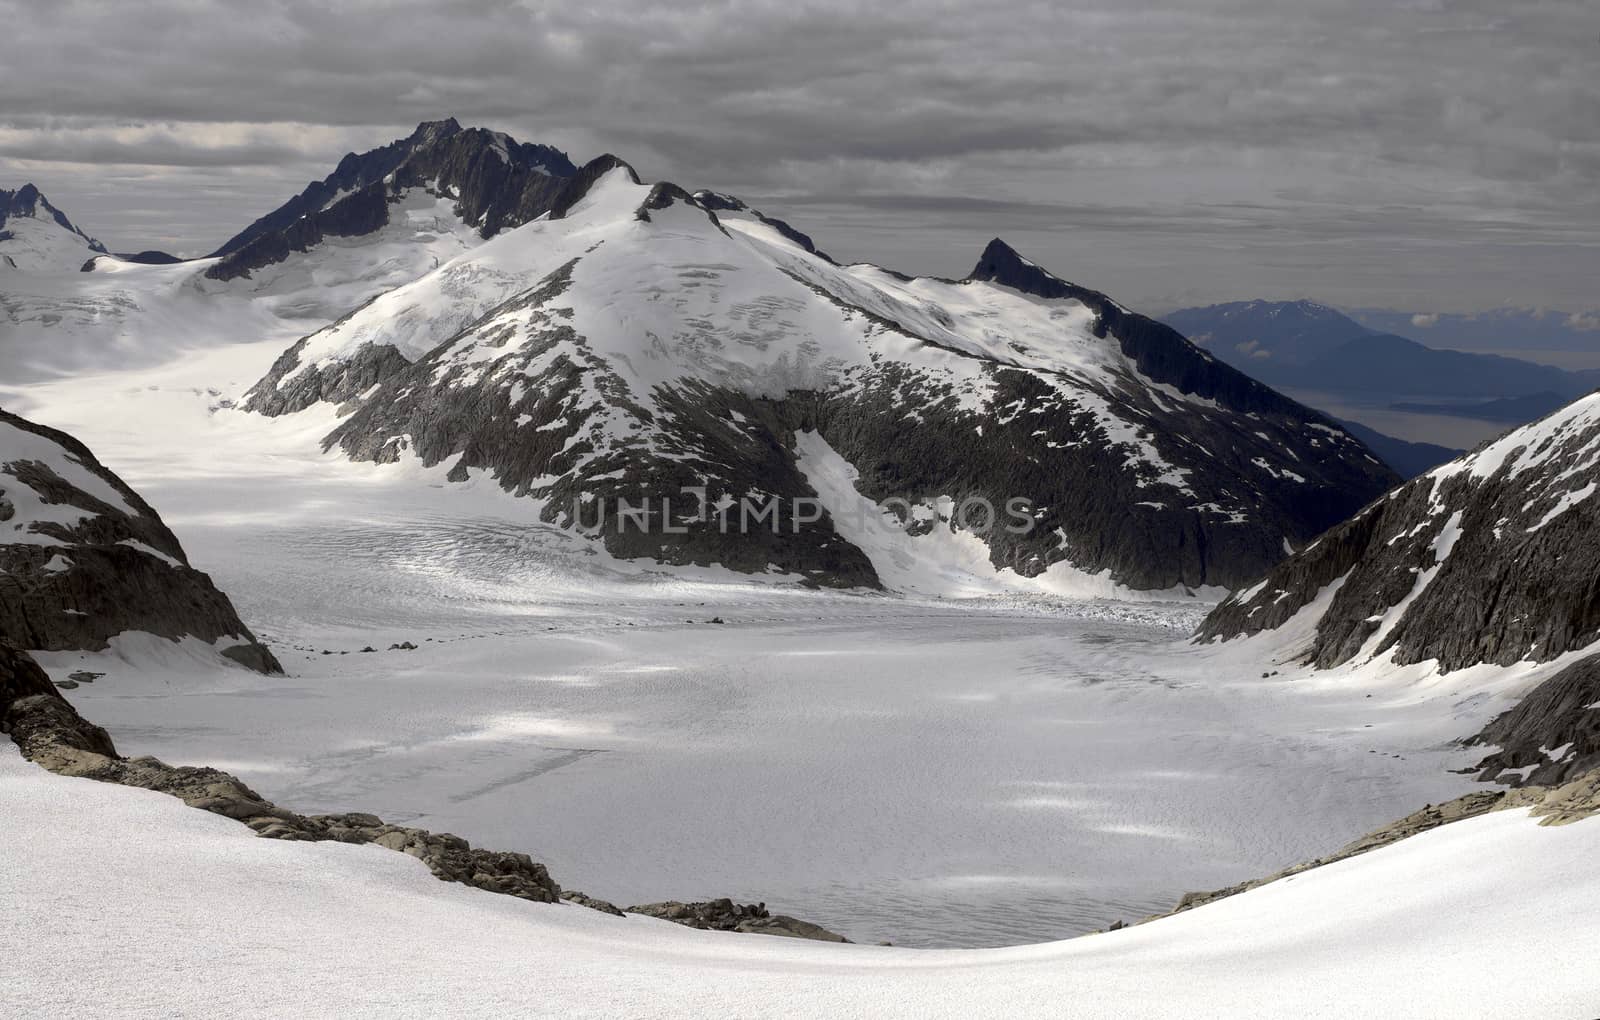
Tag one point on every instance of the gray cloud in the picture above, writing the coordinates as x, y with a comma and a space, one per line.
1436, 154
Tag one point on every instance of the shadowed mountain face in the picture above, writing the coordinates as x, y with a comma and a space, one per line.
641, 343
495, 182
1492, 558
83, 558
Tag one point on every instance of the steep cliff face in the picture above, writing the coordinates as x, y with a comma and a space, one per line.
83, 558
1552, 736
494, 181
1492, 558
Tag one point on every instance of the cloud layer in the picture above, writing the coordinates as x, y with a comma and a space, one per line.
1434, 154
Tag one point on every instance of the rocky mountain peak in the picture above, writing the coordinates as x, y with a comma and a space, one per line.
430, 131
493, 181
28, 202
1001, 264
585, 178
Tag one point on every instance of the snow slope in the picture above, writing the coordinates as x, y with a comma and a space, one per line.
122, 315
153, 908
1124, 773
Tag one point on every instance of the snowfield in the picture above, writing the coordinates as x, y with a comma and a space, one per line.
930, 771
156, 909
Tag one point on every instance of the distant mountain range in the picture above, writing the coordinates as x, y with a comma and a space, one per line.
1505, 330
1333, 360
1510, 410
1311, 346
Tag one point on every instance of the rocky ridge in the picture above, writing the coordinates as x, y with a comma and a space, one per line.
495, 181
27, 201
1488, 559
83, 558
50, 732
1551, 736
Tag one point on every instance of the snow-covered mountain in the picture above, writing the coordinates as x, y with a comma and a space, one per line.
380, 220
488, 180
1489, 560
35, 235
83, 558
641, 344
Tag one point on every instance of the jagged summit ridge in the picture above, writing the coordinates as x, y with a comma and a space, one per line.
34, 234
493, 181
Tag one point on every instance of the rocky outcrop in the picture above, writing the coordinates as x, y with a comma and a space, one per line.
496, 183
712, 201
726, 915
288, 387
83, 558
1551, 736
50, 732
578, 187
1491, 558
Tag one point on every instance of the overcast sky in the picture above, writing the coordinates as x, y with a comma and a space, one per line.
1426, 155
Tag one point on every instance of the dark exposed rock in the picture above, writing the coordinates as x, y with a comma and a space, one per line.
726, 915
1160, 352
336, 382
555, 366
118, 568
497, 183
143, 258
36, 716
584, 900
1555, 728
1491, 559
150, 257
577, 187
712, 201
